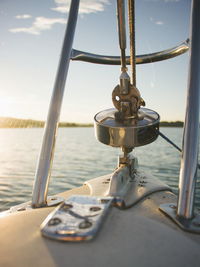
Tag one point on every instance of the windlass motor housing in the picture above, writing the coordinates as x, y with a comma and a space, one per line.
126, 134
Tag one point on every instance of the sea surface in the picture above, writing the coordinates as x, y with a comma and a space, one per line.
78, 157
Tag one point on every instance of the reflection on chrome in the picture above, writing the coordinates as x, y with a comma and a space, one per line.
140, 59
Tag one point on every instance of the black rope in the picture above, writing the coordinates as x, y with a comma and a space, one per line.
172, 143
169, 141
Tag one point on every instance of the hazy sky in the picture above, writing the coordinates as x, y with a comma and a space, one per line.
31, 35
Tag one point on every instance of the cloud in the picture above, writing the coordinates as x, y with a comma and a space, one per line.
152, 84
86, 6
172, 0
165, 1
157, 22
2, 44
24, 16
40, 24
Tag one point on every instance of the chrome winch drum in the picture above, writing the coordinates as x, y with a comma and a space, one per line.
115, 133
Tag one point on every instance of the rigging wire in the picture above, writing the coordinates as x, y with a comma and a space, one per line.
131, 18
173, 144
169, 141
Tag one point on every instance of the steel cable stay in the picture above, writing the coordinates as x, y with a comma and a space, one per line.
172, 143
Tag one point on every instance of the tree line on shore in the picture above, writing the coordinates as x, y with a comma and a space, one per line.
6, 122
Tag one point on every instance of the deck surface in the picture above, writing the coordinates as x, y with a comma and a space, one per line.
139, 236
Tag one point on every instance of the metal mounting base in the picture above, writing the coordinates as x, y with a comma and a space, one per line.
190, 225
77, 219
127, 191
136, 189
51, 201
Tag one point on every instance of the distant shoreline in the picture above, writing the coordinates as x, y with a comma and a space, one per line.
6, 122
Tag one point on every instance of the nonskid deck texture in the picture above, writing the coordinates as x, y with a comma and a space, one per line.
138, 236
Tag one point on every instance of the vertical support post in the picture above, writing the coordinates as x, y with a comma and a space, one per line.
40, 189
131, 16
122, 31
187, 178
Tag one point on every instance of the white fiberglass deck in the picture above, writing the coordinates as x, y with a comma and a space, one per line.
139, 236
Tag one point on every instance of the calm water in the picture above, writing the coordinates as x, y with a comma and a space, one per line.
78, 157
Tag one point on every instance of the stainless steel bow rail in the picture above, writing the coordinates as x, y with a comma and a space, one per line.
43, 172
180, 49
183, 214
